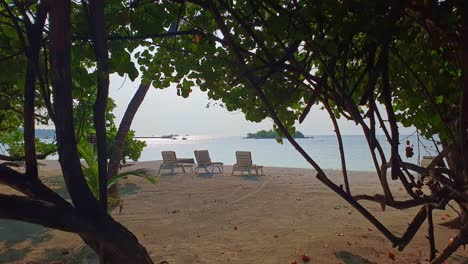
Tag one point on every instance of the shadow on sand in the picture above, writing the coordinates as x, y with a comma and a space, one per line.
350, 258
128, 189
458, 259
13, 233
168, 174
206, 175
251, 177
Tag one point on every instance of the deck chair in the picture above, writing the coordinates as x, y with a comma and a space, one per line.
204, 162
244, 163
170, 162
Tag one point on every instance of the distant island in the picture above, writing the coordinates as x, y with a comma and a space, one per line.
170, 136
272, 134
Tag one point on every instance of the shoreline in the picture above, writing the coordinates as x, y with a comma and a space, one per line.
219, 218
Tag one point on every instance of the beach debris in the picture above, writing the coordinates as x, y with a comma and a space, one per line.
350, 211
293, 262
298, 199
349, 243
390, 255
447, 215
120, 205
450, 241
364, 236
275, 236
235, 227
337, 207
370, 229
339, 234
175, 211
305, 258
326, 245
65, 251
382, 205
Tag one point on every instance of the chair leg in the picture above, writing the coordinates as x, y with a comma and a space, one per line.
159, 169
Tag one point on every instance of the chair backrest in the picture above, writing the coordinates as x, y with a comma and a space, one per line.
169, 157
202, 156
244, 159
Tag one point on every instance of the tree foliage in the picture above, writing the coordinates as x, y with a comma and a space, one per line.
376, 63
379, 64
271, 134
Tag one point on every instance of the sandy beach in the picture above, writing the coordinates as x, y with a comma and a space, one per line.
220, 218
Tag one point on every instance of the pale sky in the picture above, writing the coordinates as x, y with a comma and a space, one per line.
163, 112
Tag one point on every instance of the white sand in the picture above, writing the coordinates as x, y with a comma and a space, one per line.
275, 218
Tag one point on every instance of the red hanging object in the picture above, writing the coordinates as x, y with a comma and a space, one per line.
409, 149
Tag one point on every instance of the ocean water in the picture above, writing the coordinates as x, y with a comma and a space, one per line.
267, 152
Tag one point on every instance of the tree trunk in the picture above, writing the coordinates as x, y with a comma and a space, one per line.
112, 239
124, 127
98, 31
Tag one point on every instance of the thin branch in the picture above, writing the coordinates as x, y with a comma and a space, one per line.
321, 174
344, 171
460, 239
146, 36
413, 227
401, 205
430, 233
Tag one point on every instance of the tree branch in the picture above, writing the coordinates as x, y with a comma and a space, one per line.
25, 209
460, 239
430, 233
60, 61
401, 205
40, 156
97, 24
320, 175
124, 127
33, 188
146, 36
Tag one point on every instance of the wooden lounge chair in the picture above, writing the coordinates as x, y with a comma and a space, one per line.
204, 162
244, 163
170, 162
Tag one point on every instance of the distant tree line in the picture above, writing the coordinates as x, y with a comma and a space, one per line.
271, 134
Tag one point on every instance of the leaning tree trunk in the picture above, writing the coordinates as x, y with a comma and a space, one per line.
109, 237
124, 127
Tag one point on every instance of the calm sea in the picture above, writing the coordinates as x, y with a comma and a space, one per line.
267, 152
